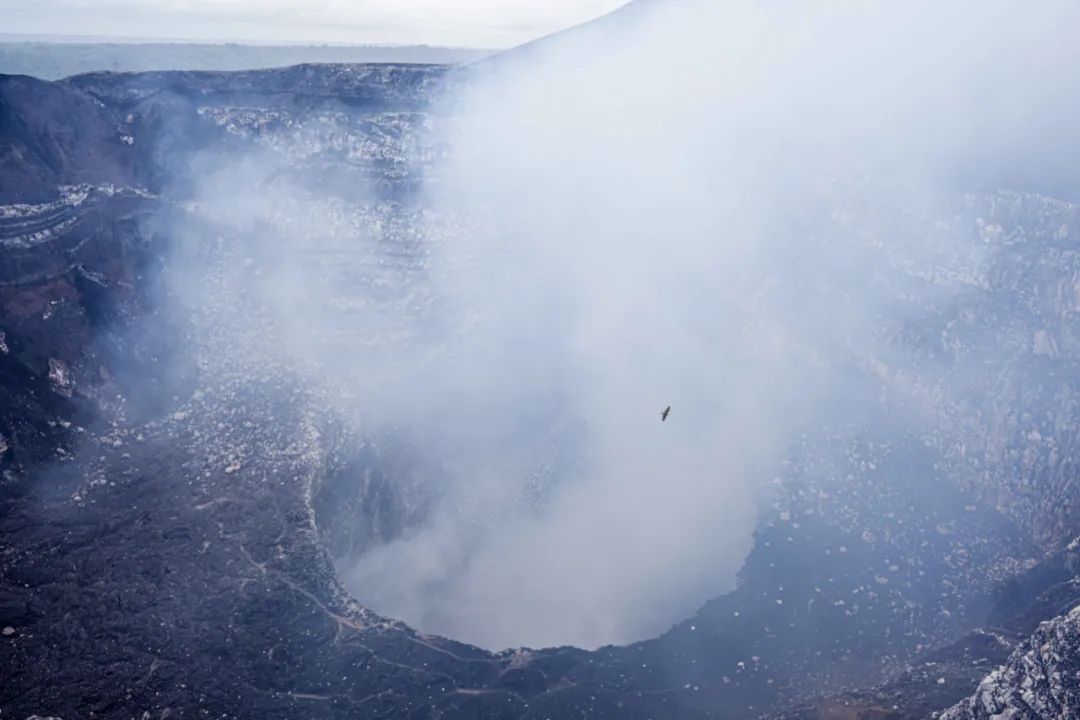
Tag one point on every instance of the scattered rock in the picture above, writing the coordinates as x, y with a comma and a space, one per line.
60, 377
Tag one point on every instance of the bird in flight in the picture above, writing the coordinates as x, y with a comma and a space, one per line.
663, 416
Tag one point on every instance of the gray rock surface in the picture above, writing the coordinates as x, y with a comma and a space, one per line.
1040, 680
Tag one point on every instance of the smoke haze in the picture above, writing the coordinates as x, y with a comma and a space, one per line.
666, 208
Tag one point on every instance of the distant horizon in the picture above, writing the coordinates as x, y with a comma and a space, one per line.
52, 57
93, 39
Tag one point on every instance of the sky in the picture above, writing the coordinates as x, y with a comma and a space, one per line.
461, 23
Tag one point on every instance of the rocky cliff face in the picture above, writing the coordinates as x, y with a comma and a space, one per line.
1041, 679
42, 149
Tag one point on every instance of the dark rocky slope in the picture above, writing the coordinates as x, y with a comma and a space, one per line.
42, 147
1039, 680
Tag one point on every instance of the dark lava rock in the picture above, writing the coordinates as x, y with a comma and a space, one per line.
52, 135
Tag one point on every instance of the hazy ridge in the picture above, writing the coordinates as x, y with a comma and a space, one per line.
55, 60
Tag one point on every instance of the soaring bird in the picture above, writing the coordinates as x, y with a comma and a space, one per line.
663, 416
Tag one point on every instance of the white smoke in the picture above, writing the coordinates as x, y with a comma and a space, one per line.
656, 210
